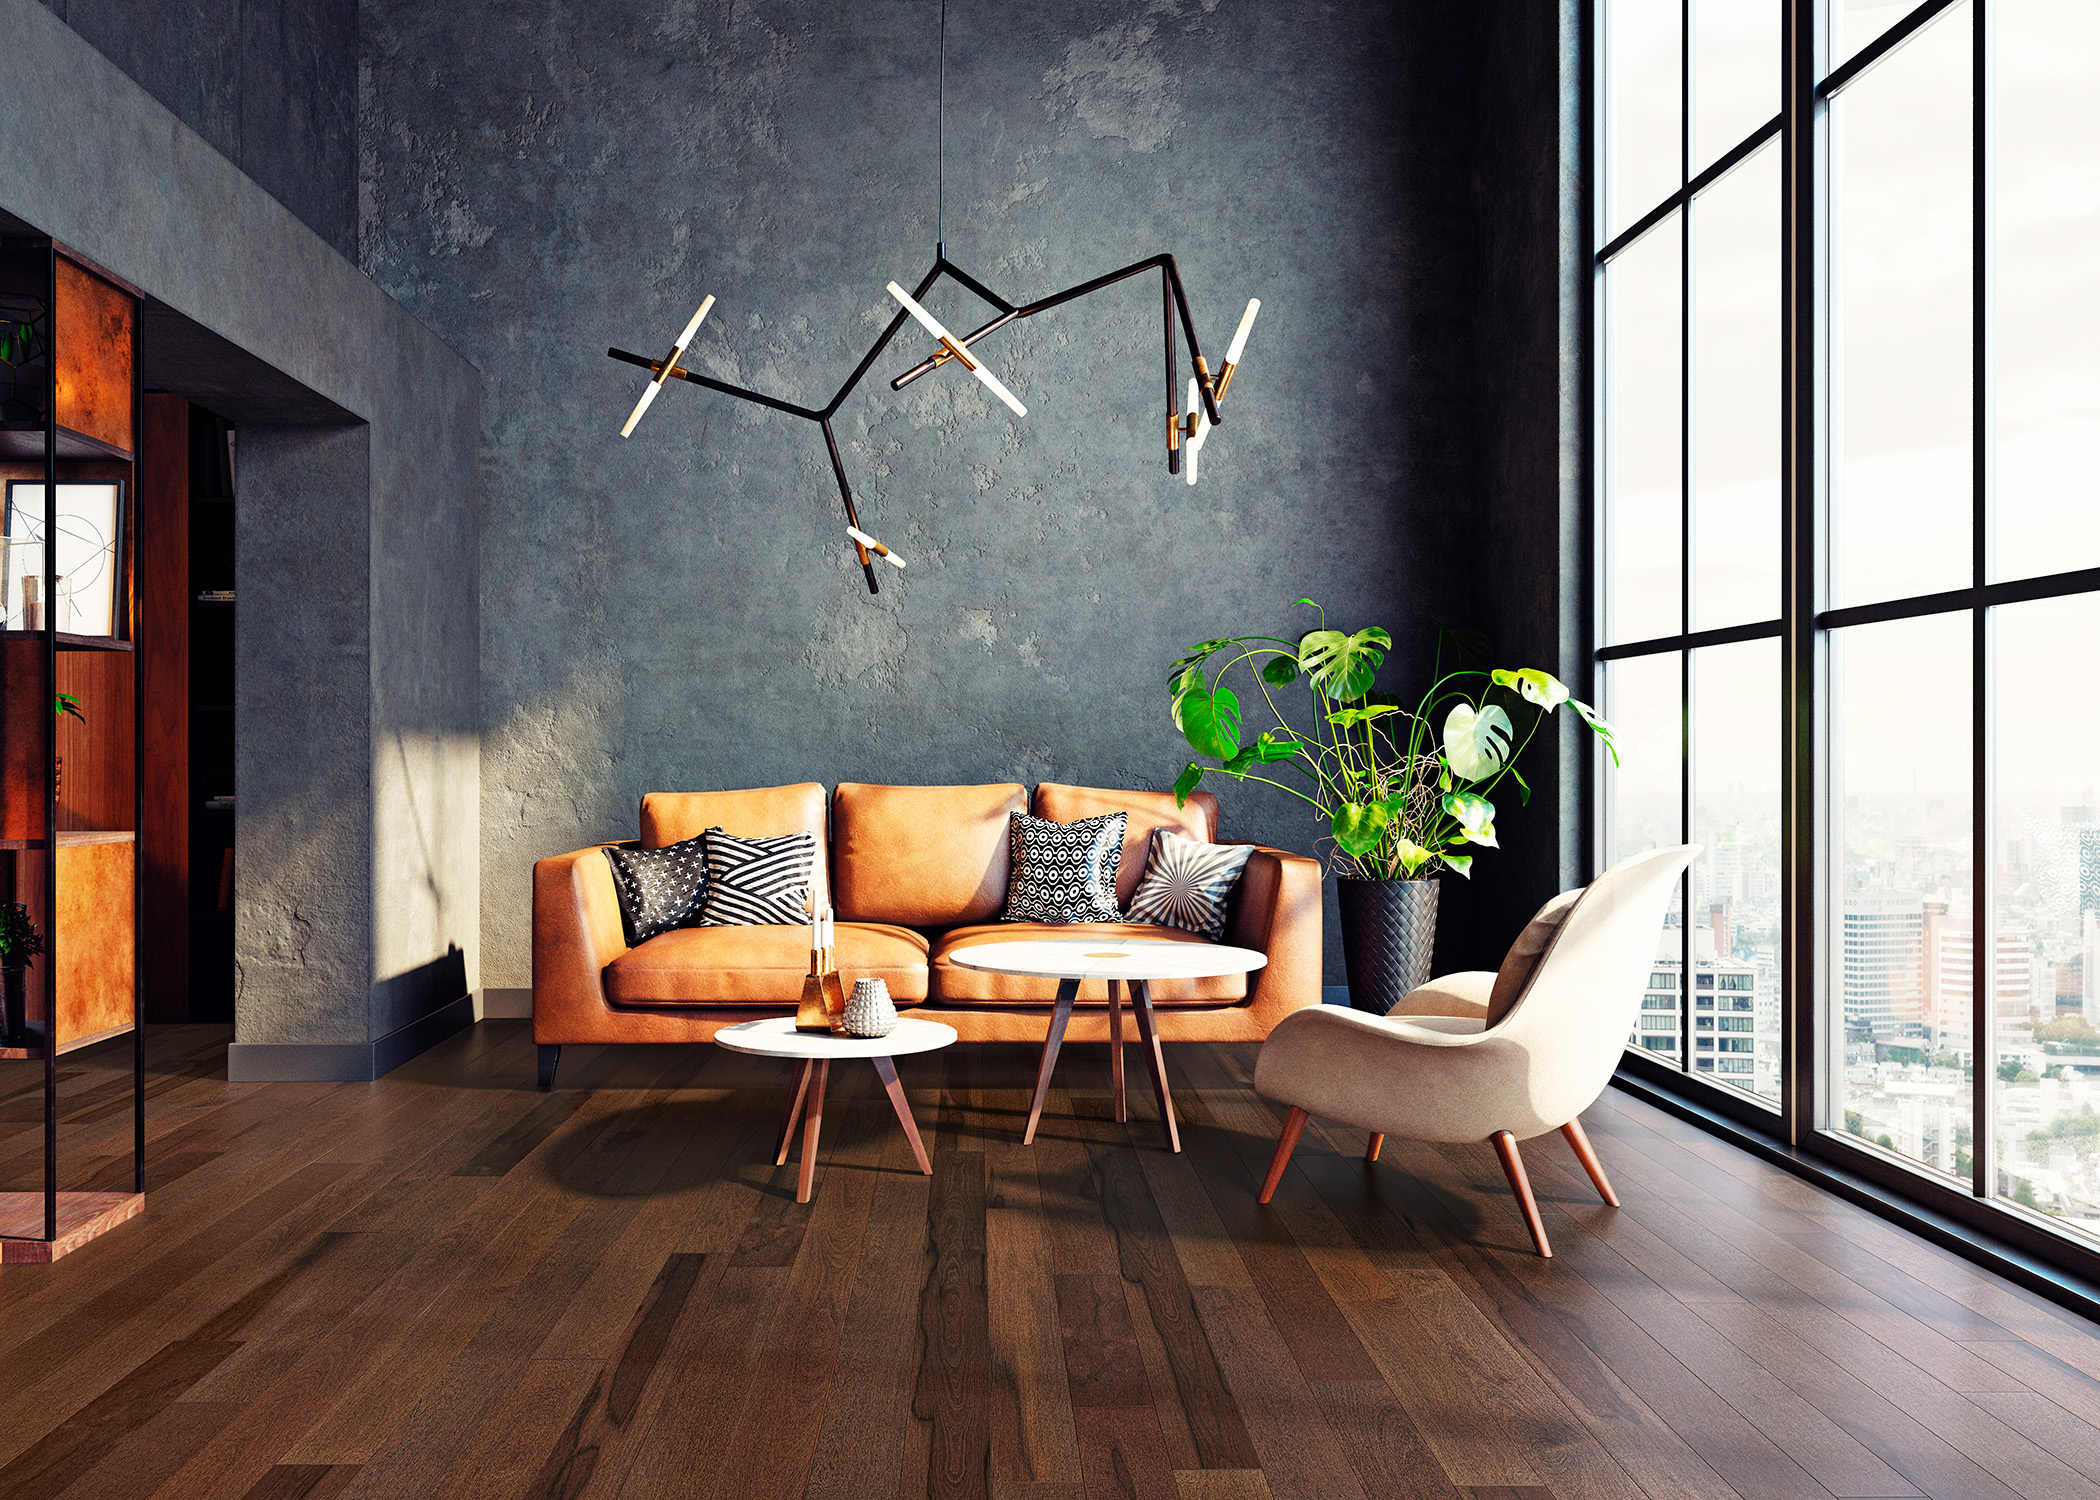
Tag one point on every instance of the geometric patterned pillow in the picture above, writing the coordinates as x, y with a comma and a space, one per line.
758, 882
1187, 883
1064, 872
658, 888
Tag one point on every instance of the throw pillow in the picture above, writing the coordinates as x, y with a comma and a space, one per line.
658, 888
1064, 872
1187, 882
757, 882
1522, 960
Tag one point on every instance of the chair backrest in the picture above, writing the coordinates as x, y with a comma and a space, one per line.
1576, 1013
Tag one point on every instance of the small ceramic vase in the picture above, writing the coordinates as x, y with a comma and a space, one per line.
868, 1009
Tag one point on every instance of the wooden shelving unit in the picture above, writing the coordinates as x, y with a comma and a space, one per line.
71, 791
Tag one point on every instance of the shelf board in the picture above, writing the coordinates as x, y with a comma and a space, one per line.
81, 1217
73, 838
26, 440
67, 641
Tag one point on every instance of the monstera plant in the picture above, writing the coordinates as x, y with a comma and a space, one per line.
1405, 793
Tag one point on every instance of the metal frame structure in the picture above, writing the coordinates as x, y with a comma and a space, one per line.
1173, 301
1805, 1132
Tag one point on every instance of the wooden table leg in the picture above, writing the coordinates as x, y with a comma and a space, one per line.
794, 1112
886, 1070
812, 1123
1115, 1045
1066, 990
1148, 1034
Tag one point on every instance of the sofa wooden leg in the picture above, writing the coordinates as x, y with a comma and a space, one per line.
812, 1124
1513, 1168
550, 1059
1067, 990
1587, 1155
1293, 1127
1371, 1147
796, 1095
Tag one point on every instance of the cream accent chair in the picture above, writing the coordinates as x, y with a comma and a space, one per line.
1488, 1057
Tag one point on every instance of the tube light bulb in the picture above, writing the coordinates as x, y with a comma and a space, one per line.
874, 546
694, 326
648, 395
1239, 339
1201, 418
975, 366
663, 372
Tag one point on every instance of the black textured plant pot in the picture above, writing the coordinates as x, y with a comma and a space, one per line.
1388, 935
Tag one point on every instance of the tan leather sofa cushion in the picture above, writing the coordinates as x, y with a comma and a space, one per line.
961, 986
1148, 810
760, 965
925, 856
764, 812
1522, 960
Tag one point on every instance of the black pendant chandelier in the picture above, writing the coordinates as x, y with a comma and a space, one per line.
1188, 423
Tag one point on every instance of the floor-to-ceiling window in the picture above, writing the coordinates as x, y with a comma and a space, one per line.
1848, 378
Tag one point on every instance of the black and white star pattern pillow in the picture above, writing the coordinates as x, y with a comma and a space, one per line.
1064, 872
1187, 883
659, 888
758, 882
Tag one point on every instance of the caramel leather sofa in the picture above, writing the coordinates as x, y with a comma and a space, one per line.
915, 873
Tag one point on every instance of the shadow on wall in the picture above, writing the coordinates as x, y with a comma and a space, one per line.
418, 991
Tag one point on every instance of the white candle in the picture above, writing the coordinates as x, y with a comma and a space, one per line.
1239, 339
975, 366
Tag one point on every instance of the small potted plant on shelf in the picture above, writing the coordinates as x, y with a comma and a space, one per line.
19, 943
1404, 793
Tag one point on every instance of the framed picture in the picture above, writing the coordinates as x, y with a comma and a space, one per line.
88, 558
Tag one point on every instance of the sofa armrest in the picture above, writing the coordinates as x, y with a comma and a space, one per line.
1278, 913
576, 932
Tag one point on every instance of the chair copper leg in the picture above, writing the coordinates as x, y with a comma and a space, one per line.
1115, 1046
794, 1112
1293, 1126
1066, 990
886, 1070
1587, 1155
812, 1123
1513, 1168
1371, 1148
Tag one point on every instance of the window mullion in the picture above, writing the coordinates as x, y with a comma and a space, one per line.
1983, 927
1684, 522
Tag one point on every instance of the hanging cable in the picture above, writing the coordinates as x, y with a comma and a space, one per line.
940, 200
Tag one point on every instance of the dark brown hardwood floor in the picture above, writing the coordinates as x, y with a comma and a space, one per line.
449, 1284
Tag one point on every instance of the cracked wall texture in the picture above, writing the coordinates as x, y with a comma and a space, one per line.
676, 611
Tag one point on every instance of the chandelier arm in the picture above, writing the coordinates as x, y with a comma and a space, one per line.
928, 366
925, 285
716, 385
1087, 288
838, 469
1205, 387
1166, 308
945, 266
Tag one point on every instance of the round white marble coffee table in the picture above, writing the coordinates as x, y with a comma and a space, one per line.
814, 1052
1130, 964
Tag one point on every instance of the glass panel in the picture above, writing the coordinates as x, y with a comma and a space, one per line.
1855, 23
1644, 700
1900, 303
2045, 120
1735, 74
1900, 793
2045, 991
1736, 396
1644, 437
1644, 99
1735, 883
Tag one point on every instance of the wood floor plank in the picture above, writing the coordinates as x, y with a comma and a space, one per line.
1301, 1456
1390, 1458
954, 1323
1122, 1455
1031, 1409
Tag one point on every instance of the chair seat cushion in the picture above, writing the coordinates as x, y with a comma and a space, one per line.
761, 965
960, 986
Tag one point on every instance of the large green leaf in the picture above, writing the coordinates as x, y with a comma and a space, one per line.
1412, 856
1542, 688
1472, 810
1358, 828
1459, 864
1191, 663
1596, 721
1266, 751
1210, 721
1191, 776
1348, 718
1476, 742
1280, 671
1342, 666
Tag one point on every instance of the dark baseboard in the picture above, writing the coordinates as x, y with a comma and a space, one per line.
345, 1062
2068, 1289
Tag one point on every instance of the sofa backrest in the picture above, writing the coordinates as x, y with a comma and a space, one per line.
921, 856
763, 812
1148, 810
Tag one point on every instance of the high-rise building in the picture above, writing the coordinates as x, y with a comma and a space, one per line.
1734, 1037
1884, 966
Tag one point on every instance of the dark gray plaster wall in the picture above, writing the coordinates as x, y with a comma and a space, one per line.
676, 611
358, 637
270, 84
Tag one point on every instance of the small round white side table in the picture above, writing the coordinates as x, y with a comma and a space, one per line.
814, 1052
1130, 964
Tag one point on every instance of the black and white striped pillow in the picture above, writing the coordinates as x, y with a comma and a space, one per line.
757, 882
1064, 872
1187, 883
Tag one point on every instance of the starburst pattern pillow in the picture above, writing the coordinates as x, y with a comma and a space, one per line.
1064, 872
1187, 883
